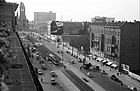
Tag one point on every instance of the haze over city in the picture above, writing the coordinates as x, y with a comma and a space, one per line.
83, 10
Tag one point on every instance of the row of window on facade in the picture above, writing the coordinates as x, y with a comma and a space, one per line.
106, 41
114, 32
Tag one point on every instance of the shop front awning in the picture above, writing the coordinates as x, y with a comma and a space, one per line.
94, 56
109, 63
99, 59
104, 61
114, 65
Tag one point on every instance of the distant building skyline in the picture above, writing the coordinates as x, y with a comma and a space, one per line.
44, 17
84, 10
102, 19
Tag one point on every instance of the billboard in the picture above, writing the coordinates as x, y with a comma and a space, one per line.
56, 28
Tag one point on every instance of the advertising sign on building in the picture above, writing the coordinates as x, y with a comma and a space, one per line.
56, 28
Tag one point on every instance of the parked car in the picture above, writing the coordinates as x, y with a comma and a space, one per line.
87, 65
89, 74
113, 77
72, 61
132, 88
38, 44
44, 67
40, 72
104, 72
96, 67
53, 74
53, 81
79, 60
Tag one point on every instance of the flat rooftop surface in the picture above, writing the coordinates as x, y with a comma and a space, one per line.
20, 78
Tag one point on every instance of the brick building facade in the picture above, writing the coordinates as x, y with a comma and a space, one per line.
118, 41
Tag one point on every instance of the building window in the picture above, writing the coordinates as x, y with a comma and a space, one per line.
109, 41
118, 33
92, 36
102, 31
110, 32
118, 42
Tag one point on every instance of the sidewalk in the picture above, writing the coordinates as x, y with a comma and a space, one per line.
127, 80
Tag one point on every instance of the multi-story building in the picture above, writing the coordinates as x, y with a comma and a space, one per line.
118, 41
112, 40
72, 27
129, 46
97, 37
44, 17
7, 13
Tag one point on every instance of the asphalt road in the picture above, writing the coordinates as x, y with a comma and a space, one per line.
103, 81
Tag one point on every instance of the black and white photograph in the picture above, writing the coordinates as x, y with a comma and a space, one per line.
69, 45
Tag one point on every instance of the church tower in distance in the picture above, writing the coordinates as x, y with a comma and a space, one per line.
22, 20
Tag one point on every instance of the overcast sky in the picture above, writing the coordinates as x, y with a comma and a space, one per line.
84, 10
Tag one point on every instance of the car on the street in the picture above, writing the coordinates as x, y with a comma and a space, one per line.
40, 72
96, 67
89, 74
72, 61
53, 74
113, 77
132, 88
87, 65
79, 60
38, 44
44, 67
53, 81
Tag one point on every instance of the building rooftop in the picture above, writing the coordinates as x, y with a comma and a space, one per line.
99, 23
118, 23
